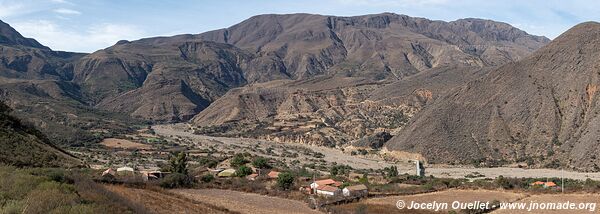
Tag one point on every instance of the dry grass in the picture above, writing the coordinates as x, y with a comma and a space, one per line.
158, 201
246, 202
124, 144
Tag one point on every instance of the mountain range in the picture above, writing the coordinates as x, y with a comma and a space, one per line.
464, 91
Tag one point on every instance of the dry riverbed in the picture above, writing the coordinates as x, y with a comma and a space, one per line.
359, 162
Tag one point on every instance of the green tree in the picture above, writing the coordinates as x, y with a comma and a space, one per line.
238, 160
391, 171
243, 171
364, 179
285, 180
179, 163
260, 163
207, 178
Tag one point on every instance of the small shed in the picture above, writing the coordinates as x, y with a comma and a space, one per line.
227, 173
356, 191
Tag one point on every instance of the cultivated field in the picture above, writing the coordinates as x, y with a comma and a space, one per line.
245, 202
160, 202
124, 144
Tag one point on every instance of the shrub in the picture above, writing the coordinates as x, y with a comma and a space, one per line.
243, 171
238, 160
177, 180
260, 163
391, 171
285, 180
207, 178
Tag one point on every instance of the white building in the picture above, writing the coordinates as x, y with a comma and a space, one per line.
328, 191
356, 191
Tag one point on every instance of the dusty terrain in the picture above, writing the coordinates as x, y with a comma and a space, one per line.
123, 144
161, 202
245, 202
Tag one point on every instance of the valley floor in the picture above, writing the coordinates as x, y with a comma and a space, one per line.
332, 155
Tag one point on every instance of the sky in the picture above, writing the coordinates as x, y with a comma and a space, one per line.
90, 25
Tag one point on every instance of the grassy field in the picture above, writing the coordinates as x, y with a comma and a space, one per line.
49, 190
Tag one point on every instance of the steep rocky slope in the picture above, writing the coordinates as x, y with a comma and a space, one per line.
542, 110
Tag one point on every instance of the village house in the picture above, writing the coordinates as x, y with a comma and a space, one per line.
549, 184
358, 191
326, 182
273, 174
328, 191
125, 170
252, 177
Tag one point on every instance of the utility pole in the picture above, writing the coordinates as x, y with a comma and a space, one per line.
562, 181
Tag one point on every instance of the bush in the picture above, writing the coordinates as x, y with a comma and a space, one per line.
238, 160
285, 180
179, 164
177, 180
243, 171
207, 178
391, 171
260, 163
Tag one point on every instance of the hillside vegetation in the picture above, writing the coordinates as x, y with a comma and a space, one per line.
22, 145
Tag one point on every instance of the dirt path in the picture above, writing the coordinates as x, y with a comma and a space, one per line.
162, 202
245, 202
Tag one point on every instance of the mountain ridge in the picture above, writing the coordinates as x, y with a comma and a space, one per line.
540, 110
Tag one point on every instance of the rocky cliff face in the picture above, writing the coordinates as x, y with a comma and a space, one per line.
542, 110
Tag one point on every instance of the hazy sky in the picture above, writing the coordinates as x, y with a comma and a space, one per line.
89, 25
